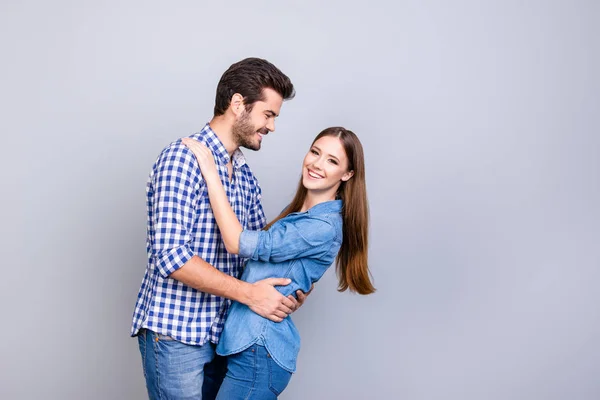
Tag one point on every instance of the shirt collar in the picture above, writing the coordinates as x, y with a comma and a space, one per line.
212, 141
326, 207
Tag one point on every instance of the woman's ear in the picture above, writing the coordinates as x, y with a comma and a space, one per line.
347, 176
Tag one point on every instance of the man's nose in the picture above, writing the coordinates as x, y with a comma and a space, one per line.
271, 125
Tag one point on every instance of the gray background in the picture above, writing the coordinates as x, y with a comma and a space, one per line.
480, 122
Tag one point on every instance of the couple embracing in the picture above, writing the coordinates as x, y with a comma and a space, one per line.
212, 317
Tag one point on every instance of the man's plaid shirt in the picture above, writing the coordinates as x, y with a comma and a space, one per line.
181, 224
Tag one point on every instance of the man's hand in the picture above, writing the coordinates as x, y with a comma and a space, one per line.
301, 298
266, 301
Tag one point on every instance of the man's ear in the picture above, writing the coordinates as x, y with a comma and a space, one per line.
237, 104
347, 176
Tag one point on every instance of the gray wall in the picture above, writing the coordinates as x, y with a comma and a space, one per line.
481, 126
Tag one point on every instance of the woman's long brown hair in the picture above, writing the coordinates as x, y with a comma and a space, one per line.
351, 263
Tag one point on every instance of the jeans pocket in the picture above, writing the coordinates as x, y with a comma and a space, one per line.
242, 366
278, 377
164, 338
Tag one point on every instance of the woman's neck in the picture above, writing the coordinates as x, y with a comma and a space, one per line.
312, 199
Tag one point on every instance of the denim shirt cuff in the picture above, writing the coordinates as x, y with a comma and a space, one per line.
248, 243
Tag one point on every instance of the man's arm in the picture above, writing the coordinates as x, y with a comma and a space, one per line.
261, 297
174, 186
227, 221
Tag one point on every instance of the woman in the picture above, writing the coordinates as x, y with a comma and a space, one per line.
328, 217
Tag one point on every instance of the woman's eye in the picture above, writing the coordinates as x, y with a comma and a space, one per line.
333, 162
315, 152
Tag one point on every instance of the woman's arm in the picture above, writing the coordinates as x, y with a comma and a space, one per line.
284, 241
227, 221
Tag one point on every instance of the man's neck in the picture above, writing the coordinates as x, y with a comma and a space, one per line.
222, 128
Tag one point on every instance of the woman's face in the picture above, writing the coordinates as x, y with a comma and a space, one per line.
325, 165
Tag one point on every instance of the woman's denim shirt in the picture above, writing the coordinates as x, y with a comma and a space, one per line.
301, 247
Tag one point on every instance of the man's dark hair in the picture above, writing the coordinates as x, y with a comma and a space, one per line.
249, 77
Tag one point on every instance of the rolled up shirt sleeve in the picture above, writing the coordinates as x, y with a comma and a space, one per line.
308, 237
173, 194
256, 216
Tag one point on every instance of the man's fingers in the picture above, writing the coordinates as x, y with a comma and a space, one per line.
293, 299
277, 281
301, 296
285, 309
275, 318
297, 303
288, 303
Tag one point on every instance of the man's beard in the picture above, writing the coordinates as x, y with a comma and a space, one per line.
244, 133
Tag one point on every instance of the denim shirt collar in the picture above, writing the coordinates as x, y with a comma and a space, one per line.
326, 207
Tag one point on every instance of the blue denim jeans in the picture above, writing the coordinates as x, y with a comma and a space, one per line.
178, 371
253, 375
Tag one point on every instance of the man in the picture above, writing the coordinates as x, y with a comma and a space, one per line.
182, 302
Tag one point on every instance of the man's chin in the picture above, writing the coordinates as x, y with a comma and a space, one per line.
252, 146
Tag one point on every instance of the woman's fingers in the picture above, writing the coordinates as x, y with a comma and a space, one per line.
202, 153
195, 146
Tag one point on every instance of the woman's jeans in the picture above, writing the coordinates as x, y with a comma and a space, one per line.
253, 374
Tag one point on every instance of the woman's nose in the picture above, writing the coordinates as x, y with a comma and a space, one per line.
317, 163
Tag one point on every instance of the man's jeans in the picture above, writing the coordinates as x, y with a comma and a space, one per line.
178, 371
253, 375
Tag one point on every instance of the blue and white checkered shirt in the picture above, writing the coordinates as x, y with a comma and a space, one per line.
181, 225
